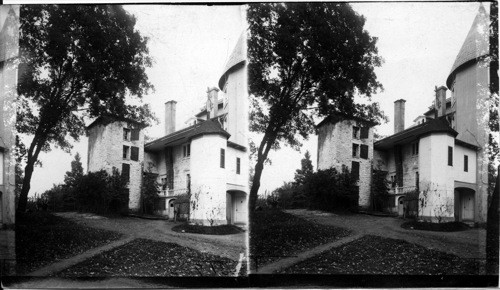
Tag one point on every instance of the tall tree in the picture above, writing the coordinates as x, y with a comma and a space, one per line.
305, 170
75, 61
300, 55
76, 172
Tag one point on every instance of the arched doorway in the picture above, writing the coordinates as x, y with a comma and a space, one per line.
466, 203
239, 207
401, 200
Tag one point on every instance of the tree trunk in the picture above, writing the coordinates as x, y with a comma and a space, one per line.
492, 232
36, 146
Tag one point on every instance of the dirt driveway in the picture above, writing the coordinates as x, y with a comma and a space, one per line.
465, 244
229, 246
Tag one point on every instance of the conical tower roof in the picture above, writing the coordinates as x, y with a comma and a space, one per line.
237, 57
476, 43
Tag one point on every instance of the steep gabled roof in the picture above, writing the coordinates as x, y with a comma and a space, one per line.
439, 125
476, 43
341, 117
107, 119
204, 128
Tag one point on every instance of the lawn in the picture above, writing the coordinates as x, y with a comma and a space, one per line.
275, 235
43, 238
378, 255
147, 258
208, 230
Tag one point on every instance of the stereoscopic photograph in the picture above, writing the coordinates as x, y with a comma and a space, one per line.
249, 145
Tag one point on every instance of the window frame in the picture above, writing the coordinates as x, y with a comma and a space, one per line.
466, 163
222, 158
126, 152
355, 132
238, 165
355, 176
355, 150
450, 156
126, 134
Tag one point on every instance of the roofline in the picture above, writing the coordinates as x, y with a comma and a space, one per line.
223, 77
116, 119
360, 119
463, 65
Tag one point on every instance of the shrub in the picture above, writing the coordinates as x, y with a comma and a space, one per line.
149, 191
380, 190
331, 190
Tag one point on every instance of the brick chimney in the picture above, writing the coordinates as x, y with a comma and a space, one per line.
440, 102
170, 117
212, 102
399, 115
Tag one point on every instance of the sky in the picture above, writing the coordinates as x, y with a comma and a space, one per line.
190, 46
419, 43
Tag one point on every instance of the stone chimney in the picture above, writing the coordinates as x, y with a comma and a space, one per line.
440, 102
399, 115
212, 102
170, 117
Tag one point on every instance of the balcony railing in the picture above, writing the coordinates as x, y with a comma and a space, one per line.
402, 189
172, 192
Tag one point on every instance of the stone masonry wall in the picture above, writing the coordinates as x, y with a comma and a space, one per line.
335, 149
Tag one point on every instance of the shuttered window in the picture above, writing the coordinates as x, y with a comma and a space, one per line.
125, 152
355, 170
364, 151
135, 134
355, 150
134, 153
364, 132
126, 171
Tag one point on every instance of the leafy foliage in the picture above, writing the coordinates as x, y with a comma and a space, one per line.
149, 192
147, 258
100, 192
290, 235
304, 54
380, 190
42, 238
331, 190
382, 256
305, 170
76, 61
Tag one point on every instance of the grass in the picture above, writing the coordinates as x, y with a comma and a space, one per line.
436, 227
275, 235
207, 230
147, 258
378, 255
43, 238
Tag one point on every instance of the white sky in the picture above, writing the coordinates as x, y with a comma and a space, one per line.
190, 45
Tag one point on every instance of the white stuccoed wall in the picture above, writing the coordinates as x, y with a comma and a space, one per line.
335, 149
237, 107
106, 151
208, 180
458, 164
436, 177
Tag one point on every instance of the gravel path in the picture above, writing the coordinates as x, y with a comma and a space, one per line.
469, 244
229, 246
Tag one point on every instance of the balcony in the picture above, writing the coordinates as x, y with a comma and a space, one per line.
172, 192
402, 189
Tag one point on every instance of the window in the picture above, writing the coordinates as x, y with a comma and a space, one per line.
135, 134
450, 156
188, 183
355, 150
134, 153
414, 148
238, 164
222, 158
186, 150
355, 132
126, 171
417, 180
466, 163
126, 134
393, 181
364, 132
364, 152
126, 150
355, 170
